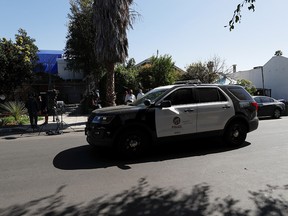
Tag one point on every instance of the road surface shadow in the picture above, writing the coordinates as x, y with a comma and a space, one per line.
143, 199
85, 157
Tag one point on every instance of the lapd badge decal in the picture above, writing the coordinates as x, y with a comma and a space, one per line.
176, 122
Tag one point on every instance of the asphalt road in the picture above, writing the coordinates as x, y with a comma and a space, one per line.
60, 175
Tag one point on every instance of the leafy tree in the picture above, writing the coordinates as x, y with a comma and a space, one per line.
164, 70
146, 77
236, 18
17, 61
206, 72
125, 78
200, 72
160, 71
196, 71
278, 53
247, 84
79, 50
111, 21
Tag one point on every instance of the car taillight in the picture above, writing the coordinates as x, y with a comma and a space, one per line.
255, 104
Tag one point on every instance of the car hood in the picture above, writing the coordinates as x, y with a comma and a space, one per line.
118, 109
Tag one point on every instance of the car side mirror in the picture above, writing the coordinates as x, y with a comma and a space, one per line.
165, 103
147, 102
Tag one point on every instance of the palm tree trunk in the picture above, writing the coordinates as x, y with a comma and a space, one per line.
110, 85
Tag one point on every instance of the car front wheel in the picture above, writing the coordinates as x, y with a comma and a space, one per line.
132, 142
235, 134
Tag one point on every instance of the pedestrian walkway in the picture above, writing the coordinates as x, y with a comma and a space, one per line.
66, 123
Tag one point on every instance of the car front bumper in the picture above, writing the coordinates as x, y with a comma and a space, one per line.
98, 136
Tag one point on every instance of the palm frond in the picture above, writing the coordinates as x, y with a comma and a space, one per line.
15, 108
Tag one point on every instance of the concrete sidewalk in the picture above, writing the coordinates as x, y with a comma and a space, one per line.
66, 124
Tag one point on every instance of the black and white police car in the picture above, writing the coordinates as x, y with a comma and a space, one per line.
174, 112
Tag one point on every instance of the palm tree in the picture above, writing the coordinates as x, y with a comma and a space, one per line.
278, 53
111, 20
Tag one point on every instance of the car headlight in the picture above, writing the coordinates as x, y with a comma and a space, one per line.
102, 119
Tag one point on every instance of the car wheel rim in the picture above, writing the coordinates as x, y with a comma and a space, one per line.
277, 113
133, 142
237, 133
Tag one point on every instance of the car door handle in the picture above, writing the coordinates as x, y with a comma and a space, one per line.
189, 110
226, 107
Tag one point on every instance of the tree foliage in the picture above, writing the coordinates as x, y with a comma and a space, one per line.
126, 77
206, 72
247, 84
17, 61
158, 72
79, 49
278, 53
195, 71
236, 18
97, 41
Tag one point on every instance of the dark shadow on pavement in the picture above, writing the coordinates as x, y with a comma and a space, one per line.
85, 157
142, 199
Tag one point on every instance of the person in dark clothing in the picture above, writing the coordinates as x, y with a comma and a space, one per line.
95, 100
44, 107
33, 109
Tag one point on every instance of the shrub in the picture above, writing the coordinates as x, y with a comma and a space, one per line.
15, 108
10, 120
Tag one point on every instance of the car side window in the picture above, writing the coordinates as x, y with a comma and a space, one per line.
239, 93
257, 99
181, 96
265, 100
210, 95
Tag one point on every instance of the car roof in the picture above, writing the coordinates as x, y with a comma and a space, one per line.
193, 84
165, 87
261, 96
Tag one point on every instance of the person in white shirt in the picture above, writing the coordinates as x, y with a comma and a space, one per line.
140, 94
130, 97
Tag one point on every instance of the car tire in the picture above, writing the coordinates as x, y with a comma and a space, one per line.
235, 134
276, 113
132, 142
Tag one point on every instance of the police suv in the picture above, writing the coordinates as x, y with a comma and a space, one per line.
175, 112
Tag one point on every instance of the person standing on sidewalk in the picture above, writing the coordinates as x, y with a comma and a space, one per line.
140, 94
44, 108
130, 97
33, 109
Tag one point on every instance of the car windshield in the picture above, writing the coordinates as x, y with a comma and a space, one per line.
152, 95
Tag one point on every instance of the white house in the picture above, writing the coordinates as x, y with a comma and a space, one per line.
66, 74
273, 76
71, 85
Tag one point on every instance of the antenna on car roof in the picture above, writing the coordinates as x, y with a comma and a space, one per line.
195, 81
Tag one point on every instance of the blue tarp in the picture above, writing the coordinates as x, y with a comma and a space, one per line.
47, 61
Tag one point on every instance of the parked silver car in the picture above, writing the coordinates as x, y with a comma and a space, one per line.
268, 106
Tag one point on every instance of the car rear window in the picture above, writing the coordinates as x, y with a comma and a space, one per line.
240, 93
